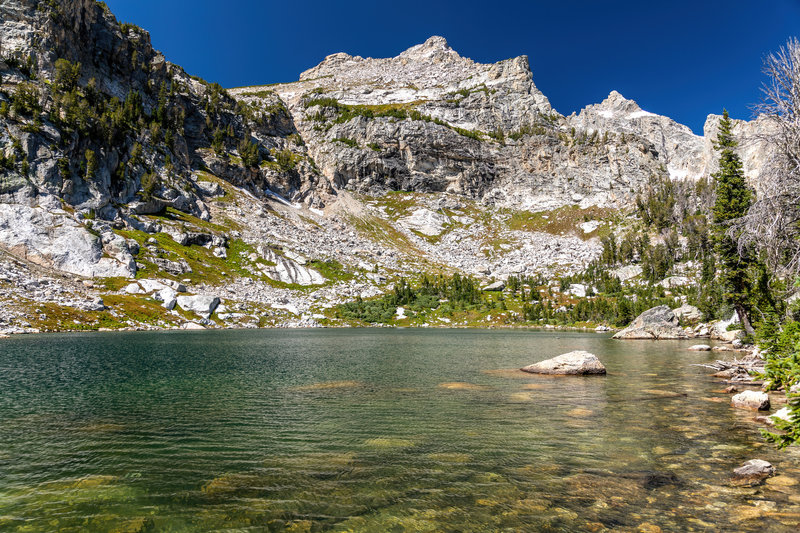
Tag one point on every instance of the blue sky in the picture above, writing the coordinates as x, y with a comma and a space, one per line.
684, 59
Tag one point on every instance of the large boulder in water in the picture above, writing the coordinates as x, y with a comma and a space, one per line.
750, 399
656, 323
572, 363
753, 472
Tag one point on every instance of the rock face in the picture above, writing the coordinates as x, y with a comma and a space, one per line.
680, 150
753, 400
572, 363
70, 180
430, 120
54, 239
656, 323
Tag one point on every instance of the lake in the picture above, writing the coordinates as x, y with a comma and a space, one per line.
373, 430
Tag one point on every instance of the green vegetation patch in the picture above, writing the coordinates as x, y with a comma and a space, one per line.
461, 293
565, 221
345, 113
331, 270
381, 231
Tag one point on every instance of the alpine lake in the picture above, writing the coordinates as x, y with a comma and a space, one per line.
384, 430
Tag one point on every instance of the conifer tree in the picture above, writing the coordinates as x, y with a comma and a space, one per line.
733, 201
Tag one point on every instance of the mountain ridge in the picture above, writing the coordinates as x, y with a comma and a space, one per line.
287, 200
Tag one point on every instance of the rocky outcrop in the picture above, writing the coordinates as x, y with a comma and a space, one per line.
287, 270
572, 363
53, 238
656, 323
497, 286
689, 314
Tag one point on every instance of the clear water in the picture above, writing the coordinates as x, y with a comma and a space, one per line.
372, 430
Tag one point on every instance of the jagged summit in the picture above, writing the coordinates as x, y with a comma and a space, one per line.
428, 65
435, 47
617, 106
677, 147
431, 76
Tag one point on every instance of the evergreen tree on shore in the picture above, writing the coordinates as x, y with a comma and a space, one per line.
733, 201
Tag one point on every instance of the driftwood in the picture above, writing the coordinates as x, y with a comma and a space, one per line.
737, 370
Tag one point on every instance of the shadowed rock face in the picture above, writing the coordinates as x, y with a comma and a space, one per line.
572, 363
656, 323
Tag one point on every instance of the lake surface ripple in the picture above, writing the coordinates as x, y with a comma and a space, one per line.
373, 430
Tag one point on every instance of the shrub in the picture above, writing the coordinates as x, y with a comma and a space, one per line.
285, 159
352, 143
150, 184
25, 100
66, 75
249, 153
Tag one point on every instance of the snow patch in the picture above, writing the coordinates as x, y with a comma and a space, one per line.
606, 114
640, 114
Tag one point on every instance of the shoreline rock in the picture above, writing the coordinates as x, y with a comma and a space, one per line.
573, 363
700, 348
753, 400
654, 324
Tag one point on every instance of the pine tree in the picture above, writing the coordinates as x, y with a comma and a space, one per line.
733, 201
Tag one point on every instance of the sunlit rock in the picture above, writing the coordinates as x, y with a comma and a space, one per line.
573, 363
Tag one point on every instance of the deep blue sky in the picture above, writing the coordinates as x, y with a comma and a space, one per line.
684, 59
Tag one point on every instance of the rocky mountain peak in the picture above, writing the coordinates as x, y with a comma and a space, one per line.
435, 48
616, 104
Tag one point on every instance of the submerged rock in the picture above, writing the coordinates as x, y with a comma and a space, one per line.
461, 385
750, 399
572, 363
656, 323
753, 472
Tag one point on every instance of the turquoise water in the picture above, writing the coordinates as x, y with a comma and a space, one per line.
372, 430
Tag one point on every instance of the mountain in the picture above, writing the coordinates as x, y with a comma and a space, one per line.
117, 164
